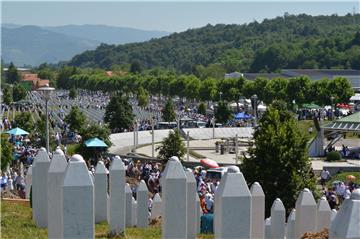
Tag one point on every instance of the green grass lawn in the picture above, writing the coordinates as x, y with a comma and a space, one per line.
342, 177
16, 223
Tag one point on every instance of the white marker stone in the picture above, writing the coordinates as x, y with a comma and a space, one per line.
333, 214
133, 212
28, 181
268, 228
323, 214
290, 233
174, 196
142, 205
191, 205
258, 211
78, 200
117, 197
199, 214
305, 213
128, 205
277, 219
233, 214
39, 188
101, 194
156, 210
56, 174
21, 169
346, 224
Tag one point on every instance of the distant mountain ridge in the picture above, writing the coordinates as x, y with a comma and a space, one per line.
33, 45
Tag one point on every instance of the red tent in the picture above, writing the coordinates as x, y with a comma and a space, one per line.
209, 163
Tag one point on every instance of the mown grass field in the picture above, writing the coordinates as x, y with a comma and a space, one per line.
342, 177
16, 223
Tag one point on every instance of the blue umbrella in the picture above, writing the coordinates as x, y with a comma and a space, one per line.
17, 131
95, 142
242, 115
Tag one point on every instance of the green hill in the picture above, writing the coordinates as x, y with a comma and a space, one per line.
290, 41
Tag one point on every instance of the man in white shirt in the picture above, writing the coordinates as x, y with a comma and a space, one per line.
325, 176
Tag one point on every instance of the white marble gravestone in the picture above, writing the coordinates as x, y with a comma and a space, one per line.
258, 211
277, 227
233, 202
290, 232
117, 197
323, 214
174, 196
39, 188
56, 174
346, 224
128, 205
332, 215
268, 228
28, 181
199, 214
133, 212
142, 205
78, 200
192, 207
306, 209
156, 210
101, 193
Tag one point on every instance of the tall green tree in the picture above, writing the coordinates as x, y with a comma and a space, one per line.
6, 151
64, 75
202, 108
168, 112
8, 94
19, 92
171, 146
119, 114
12, 75
24, 121
142, 97
279, 159
222, 113
76, 119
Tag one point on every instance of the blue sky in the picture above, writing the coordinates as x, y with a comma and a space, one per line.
166, 15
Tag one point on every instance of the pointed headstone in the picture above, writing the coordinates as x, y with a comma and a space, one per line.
191, 205
199, 214
101, 194
258, 211
128, 205
28, 181
55, 181
347, 221
117, 197
78, 200
142, 205
268, 228
290, 233
305, 213
333, 214
39, 188
277, 219
233, 203
156, 210
133, 212
323, 214
21, 169
174, 197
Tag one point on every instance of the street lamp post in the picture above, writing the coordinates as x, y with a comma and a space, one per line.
152, 137
220, 95
213, 125
46, 93
332, 107
254, 98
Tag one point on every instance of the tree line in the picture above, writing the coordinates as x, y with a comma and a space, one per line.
286, 42
302, 89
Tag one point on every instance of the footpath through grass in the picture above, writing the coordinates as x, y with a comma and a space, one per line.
16, 223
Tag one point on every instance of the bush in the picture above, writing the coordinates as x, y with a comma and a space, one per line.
333, 156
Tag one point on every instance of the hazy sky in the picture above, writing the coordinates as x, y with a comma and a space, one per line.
166, 15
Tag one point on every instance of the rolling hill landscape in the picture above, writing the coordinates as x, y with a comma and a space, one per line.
290, 41
33, 45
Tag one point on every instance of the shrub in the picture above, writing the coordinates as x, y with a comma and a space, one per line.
333, 156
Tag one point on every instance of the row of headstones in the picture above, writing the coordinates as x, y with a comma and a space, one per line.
68, 200
239, 212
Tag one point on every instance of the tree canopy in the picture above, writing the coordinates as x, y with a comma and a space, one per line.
76, 119
279, 160
168, 112
119, 114
171, 146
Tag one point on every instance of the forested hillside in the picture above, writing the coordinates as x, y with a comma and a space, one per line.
290, 41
